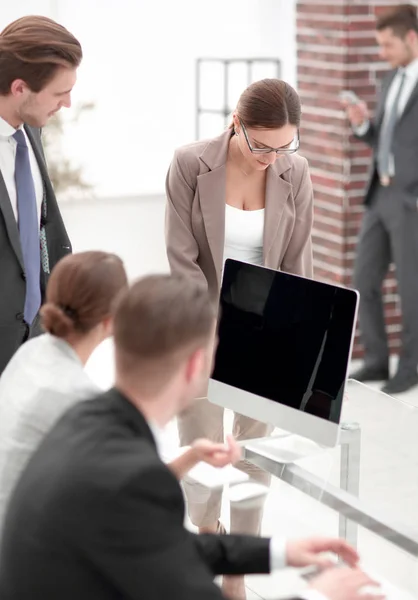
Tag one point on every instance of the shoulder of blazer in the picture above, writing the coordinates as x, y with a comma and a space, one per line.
203, 156
186, 161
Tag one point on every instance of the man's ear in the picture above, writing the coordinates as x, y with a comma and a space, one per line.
412, 37
18, 87
195, 365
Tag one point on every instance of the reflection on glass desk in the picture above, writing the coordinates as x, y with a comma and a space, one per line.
371, 479
389, 452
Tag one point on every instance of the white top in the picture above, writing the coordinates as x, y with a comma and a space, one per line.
7, 166
42, 380
244, 230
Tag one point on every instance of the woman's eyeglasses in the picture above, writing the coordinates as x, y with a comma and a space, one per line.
289, 149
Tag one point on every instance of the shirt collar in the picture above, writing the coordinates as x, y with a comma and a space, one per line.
158, 435
411, 71
6, 130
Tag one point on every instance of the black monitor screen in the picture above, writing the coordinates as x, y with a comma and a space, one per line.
285, 338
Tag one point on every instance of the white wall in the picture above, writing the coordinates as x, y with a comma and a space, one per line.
131, 227
139, 69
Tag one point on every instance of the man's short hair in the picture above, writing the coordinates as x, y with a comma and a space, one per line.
401, 19
158, 323
33, 48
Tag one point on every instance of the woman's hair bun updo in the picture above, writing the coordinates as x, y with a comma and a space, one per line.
56, 321
81, 291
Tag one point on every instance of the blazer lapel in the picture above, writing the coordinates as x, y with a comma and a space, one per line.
212, 200
212, 185
411, 101
10, 221
277, 193
380, 110
5, 205
37, 149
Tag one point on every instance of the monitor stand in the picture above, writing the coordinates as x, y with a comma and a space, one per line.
274, 448
284, 447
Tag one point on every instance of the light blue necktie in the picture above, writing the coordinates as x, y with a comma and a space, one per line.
386, 134
28, 227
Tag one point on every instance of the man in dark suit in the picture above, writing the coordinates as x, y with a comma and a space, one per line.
98, 515
38, 63
390, 225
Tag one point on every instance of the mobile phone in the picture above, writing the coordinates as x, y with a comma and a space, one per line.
349, 97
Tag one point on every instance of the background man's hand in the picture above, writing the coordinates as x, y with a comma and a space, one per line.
357, 113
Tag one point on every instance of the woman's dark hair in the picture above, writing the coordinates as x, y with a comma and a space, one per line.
33, 48
81, 291
269, 104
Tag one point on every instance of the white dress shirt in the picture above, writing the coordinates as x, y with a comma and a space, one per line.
411, 80
7, 166
277, 544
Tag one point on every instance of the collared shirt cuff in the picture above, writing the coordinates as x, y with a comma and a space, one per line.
362, 129
312, 595
278, 558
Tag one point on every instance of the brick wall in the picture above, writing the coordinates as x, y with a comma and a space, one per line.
336, 50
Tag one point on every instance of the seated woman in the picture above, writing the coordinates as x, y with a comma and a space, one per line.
46, 375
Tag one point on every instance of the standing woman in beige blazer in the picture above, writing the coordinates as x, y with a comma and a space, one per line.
243, 195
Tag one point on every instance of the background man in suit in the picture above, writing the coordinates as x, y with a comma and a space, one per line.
97, 514
38, 63
390, 225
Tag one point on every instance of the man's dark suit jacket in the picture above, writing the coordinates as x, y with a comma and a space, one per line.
404, 146
13, 329
98, 516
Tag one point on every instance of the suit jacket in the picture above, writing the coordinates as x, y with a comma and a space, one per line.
404, 147
195, 216
12, 272
97, 514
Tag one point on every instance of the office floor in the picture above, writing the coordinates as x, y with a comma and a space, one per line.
290, 512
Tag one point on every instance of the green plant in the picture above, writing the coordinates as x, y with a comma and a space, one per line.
66, 177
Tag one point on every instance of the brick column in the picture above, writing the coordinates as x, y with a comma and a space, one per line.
336, 50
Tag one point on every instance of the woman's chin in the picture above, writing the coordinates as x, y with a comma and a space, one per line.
260, 166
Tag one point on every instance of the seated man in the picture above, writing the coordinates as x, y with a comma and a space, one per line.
97, 515
46, 376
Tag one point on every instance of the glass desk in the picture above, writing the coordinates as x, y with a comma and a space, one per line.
371, 479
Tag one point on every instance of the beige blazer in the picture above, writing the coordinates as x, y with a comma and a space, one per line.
195, 214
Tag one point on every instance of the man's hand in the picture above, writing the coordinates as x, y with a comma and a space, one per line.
345, 584
217, 455
357, 113
309, 551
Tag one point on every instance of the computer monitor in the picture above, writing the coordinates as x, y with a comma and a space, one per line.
284, 347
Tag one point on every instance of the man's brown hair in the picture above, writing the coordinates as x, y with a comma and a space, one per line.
158, 322
401, 19
33, 48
